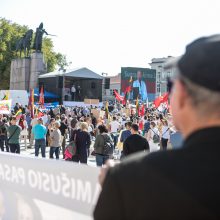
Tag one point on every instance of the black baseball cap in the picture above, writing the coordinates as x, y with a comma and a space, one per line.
200, 63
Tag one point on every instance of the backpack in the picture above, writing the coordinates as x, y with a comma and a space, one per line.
156, 137
108, 145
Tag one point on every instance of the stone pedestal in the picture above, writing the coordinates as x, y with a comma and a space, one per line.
20, 73
38, 67
25, 72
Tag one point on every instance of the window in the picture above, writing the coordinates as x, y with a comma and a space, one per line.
159, 75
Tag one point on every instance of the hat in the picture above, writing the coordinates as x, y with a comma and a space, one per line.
201, 62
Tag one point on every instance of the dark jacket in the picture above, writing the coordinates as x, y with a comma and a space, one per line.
83, 142
175, 184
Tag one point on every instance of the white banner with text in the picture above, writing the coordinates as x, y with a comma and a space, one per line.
45, 189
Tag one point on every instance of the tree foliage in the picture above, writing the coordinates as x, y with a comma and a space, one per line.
10, 33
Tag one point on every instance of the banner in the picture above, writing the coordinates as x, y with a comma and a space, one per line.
47, 106
142, 82
5, 107
45, 189
17, 96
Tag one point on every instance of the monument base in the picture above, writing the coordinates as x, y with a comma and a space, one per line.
20, 72
25, 72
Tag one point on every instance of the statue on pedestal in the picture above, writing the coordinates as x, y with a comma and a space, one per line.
24, 43
40, 31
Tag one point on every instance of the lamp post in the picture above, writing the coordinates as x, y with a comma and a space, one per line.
103, 84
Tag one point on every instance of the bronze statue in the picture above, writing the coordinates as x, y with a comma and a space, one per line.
24, 43
39, 37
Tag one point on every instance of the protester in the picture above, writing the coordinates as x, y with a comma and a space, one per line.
34, 122
183, 183
153, 137
114, 128
39, 131
49, 127
83, 142
127, 132
63, 129
135, 142
101, 151
176, 139
3, 134
165, 134
13, 136
55, 135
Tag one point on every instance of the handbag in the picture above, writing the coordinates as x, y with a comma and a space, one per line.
71, 150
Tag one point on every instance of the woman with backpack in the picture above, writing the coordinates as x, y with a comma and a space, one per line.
103, 146
165, 134
153, 137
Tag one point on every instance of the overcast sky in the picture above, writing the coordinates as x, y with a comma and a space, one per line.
105, 35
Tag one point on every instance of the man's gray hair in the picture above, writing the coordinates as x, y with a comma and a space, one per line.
205, 100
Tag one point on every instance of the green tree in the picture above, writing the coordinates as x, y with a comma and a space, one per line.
10, 33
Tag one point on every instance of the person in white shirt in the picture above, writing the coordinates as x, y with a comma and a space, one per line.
114, 125
73, 91
153, 137
114, 128
165, 134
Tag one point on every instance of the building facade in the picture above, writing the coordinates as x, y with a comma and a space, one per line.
161, 74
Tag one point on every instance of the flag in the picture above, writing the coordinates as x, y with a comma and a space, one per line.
106, 110
39, 113
142, 110
137, 106
117, 96
31, 103
18, 114
41, 97
126, 95
161, 99
6, 96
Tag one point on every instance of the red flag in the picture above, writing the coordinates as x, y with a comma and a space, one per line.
31, 103
161, 99
142, 110
40, 114
126, 92
41, 98
117, 96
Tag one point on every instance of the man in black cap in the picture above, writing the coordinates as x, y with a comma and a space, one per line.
182, 183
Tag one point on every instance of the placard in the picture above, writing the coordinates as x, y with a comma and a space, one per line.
46, 189
5, 107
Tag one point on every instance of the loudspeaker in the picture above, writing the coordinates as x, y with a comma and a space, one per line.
60, 82
135, 92
107, 83
93, 85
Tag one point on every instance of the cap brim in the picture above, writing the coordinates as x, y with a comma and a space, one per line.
172, 63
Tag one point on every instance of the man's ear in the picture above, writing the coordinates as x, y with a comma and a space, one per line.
182, 94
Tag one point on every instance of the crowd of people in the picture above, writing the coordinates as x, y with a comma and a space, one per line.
104, 137
152, 183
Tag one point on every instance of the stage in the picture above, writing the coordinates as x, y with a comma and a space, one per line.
73, 85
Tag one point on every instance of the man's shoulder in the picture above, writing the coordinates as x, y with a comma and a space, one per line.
146, 162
